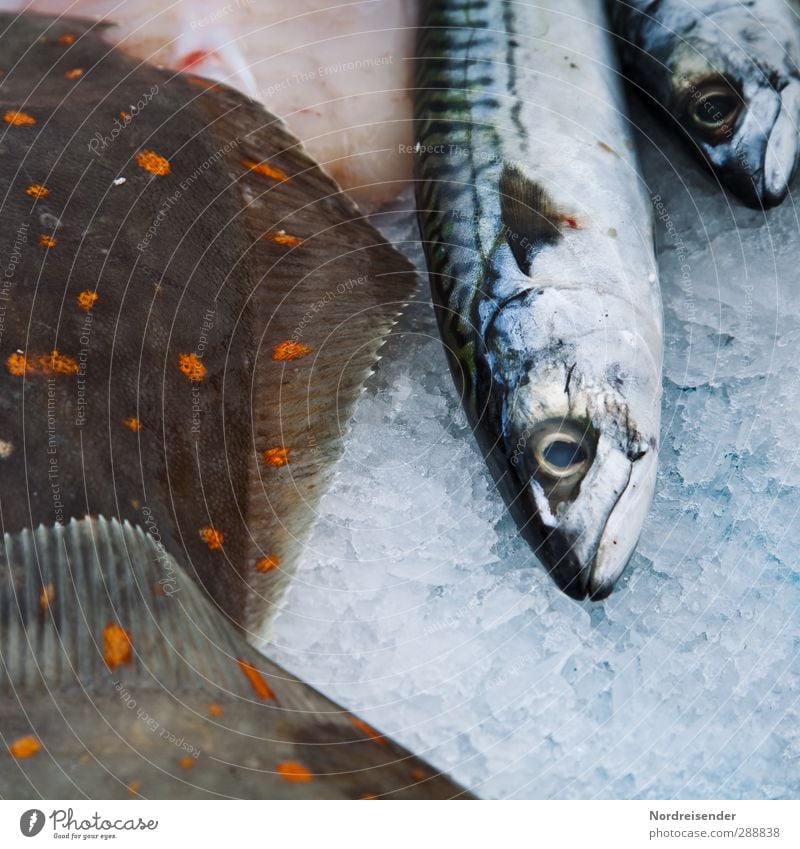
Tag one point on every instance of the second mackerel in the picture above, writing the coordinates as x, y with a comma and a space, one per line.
538, 235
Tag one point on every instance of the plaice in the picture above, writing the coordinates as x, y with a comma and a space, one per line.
190, 308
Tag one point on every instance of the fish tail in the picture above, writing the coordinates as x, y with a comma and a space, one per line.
119, 678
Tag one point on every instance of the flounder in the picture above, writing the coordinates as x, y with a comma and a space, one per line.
189, 308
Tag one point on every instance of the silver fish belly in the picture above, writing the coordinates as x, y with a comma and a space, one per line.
727, 74
538, 237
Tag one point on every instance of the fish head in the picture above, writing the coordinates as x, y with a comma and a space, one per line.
741, 112
573, 436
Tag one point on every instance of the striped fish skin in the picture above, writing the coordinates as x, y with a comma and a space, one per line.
727, 74
538, 237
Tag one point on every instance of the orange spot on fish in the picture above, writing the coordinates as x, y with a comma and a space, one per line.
268, 563
186, 762
19, 364
369, 796
132, 423
134, 787
18, 119
24, 747
47, 596
117, 645
212, 538
153, 162
294, 771
284, 238
215, 709
86, 299
67, 38
256, 679
290, 350
192, 366
47, 241
265, 169
73, 73
276, 456
368, 730
419, 774
125, 116
571, 221
58, 364
37, 190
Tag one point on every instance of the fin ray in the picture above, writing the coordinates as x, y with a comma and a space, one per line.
343, 287
182, 693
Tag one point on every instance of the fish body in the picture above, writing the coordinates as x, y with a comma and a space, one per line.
538, 239
188, 304
727, 75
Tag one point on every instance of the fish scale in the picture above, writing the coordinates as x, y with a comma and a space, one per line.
538, 237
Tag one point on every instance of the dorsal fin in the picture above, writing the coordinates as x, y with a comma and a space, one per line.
529, 214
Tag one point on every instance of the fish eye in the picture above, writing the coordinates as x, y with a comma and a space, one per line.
713, 109
563, 455
563, 452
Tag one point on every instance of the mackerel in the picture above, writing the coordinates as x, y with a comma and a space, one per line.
538, 236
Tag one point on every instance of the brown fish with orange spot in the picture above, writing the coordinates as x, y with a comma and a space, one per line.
164, 303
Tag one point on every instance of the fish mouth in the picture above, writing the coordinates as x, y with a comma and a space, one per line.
562, 562
586, 547
760, 174
561, 555
782, 150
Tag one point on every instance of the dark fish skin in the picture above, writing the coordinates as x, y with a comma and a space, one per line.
250, 279
71, 453
188, 304
192, 712
726, 73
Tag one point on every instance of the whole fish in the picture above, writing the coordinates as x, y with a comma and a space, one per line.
188, 305
538, 238
727, 73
